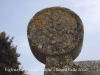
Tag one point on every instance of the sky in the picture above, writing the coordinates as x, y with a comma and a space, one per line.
16, 14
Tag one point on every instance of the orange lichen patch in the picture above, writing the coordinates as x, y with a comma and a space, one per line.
72, 31
53, 68
61, 31
37, 44
38, 23
62, 50
50, 25
45, 31
55, 52
32, 44
33, 28
50, 52
60, 62
51, 35
68, 56
54, 17
72, 45
63, 36
71, 19
58, 39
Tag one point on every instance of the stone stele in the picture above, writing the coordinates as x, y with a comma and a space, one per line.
55, 37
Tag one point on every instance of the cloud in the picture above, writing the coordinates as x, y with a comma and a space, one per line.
23, 45
91, 19
92, 2
37, 68
89, 11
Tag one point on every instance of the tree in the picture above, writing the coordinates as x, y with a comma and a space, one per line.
9, 64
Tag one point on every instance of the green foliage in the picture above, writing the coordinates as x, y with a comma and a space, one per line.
8, 56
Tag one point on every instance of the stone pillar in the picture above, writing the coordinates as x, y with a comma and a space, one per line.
55, 37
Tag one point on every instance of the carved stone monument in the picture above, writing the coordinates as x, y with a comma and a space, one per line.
55, 37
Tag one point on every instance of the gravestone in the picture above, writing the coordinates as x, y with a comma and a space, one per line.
55, 37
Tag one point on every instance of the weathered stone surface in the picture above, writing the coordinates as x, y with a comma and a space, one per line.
60, 65
55, 36
55, 31
78, 68
88, 67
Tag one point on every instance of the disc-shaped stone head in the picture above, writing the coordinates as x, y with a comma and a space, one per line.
55, 31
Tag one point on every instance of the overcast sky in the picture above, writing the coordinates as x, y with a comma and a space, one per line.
16, 14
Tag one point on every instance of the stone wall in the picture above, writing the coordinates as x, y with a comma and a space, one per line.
89, 67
